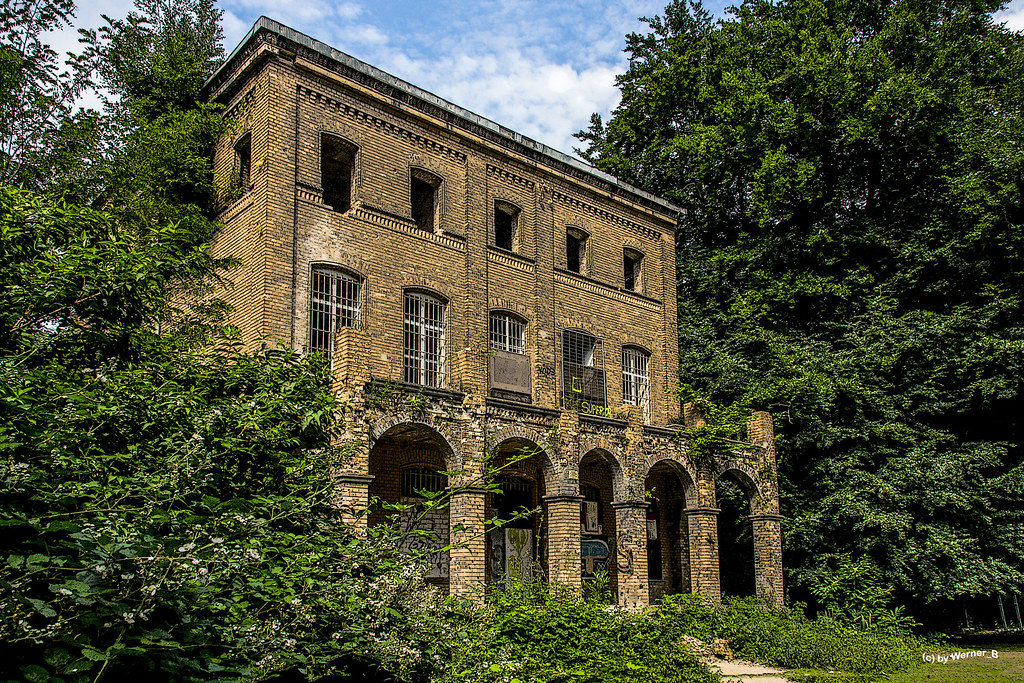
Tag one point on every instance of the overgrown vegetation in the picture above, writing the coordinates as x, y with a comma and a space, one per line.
850, 259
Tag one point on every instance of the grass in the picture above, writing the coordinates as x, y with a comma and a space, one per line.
1008, 667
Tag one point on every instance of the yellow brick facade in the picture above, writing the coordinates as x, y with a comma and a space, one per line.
287, 92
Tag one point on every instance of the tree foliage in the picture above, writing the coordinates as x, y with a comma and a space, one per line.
850, 258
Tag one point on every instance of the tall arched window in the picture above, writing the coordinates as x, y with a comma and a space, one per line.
636, 380
423, 358
335, 301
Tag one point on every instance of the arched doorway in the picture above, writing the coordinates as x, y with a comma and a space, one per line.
518, 546
407, 464
735, 534
668, 536
598, 474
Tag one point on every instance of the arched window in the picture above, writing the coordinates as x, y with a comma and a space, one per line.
508, 333
337, 169
335, 301
509, 367
423, 358
636, 380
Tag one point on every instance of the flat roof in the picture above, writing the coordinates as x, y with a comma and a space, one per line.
431, 104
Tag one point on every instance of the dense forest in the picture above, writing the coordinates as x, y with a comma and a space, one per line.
851, 258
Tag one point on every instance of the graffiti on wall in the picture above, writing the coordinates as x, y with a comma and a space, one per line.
594, 555
625, 549
426, 530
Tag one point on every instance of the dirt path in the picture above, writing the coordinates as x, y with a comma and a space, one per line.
738, 671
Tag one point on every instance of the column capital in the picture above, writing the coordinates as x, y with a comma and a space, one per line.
627, 504
701, 512
559, 498
353, 478
768, 517
469, 490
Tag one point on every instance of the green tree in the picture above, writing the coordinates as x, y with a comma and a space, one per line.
850, 258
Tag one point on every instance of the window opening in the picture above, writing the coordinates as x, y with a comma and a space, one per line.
590, 510
423, 359
631, 269
507, 333
583, 384
575, 250
416, 480
334, 303
337, 168
636, 380
506, 223
243, 161
423, 191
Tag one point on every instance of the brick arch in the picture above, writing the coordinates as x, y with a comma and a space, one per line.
620, 482
554, 479
749, 480
453, 456
683, 469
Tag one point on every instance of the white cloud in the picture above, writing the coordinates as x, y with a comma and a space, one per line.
1012, 16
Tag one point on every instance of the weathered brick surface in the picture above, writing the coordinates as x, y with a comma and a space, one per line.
287, 91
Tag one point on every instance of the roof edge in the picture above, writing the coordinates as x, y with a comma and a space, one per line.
517, 139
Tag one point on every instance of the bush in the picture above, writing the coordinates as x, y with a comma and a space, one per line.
548, 634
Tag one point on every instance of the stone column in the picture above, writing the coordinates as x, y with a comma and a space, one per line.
468, 554
630, 552
704, 568
768, 557
352, 497
564, 539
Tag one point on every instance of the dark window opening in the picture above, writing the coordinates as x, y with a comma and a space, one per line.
337, 168
506, 219
419, 480
423, 191
654, 568
631, 269
575, 250
243, 161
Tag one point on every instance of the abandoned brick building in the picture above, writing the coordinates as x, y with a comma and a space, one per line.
480, 296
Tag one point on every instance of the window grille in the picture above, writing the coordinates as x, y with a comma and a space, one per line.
582, 370
335, 303
507, 333
423, 360
636, 380
416, 479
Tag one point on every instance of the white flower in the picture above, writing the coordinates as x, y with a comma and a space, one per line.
187, 547
216, 539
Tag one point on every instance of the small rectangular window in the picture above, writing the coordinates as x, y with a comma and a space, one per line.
423, 193
337, 167
334, 303
506, 222
243, 162
575, 250
631, 269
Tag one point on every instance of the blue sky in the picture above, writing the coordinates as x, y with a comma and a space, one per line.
540, 68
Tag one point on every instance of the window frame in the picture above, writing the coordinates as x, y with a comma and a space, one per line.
509, 334
420, 365
636, 379
352, 306
580, 349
